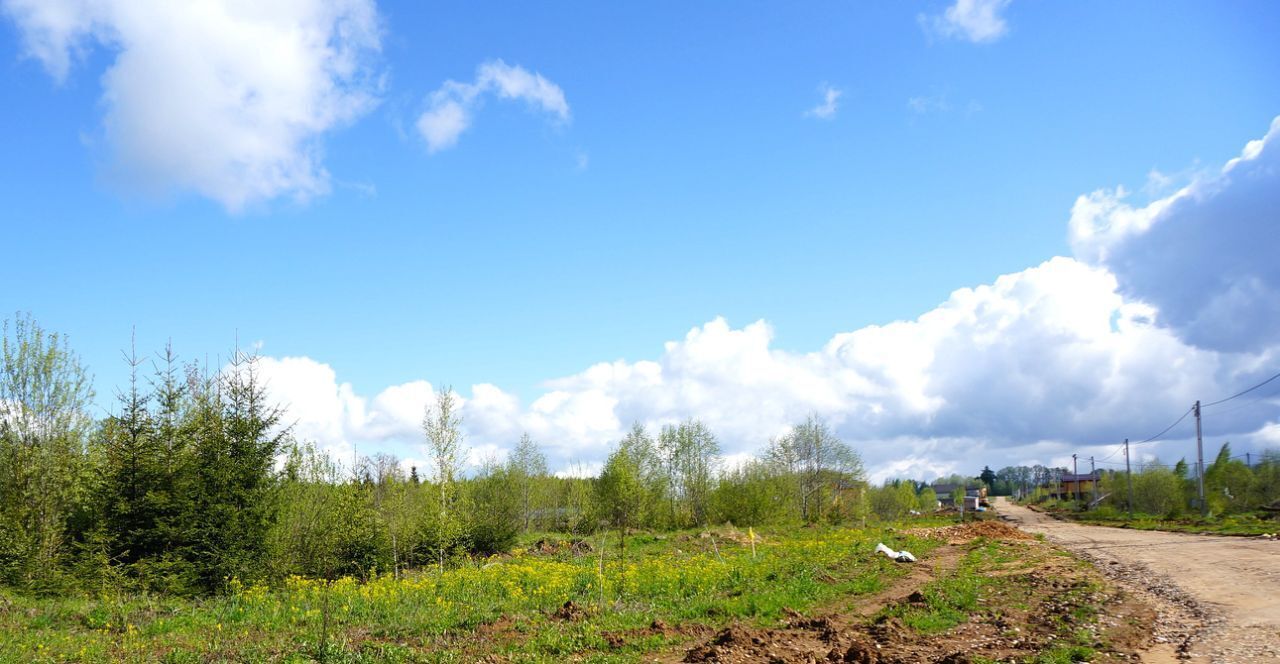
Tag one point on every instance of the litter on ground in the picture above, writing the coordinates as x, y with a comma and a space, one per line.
903, 556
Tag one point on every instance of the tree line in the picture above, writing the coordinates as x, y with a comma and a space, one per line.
196, 481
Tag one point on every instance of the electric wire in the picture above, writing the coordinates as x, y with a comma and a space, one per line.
1240, 394
1114, 452
1141, 464
1168, 429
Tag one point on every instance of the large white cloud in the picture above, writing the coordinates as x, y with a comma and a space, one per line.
450, 108
1205, 256
228, 99
1051, 356
1064, 357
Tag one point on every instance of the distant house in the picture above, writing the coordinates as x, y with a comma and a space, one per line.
1072, 486
974, 495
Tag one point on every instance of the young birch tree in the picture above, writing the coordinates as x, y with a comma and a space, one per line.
527, 468
44, 422
817, 460
442, 425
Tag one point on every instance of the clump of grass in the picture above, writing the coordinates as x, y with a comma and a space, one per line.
1066, 654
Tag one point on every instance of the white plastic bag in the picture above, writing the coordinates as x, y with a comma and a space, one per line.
903, 556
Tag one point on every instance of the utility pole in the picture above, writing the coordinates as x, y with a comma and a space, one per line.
1128, 474
1204, 506
1093, 473
1075, 472
1248, 460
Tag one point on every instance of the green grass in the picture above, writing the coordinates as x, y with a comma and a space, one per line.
949, 601
989, 582
1246, 524
679, 578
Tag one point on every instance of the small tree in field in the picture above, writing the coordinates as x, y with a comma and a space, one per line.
620, 494
442, 425
527, 468
817, 461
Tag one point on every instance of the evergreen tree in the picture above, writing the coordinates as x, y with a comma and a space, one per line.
131, 516
236, 436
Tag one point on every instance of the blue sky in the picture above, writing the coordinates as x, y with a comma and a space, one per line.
686, 179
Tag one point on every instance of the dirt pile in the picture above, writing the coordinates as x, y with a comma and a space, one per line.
659, 627
966, 532
569, 612
552, 546
816, 640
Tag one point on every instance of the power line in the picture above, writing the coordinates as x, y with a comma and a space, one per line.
1248, 403
1240, 394
1140, 464
1166, 429
1114, 452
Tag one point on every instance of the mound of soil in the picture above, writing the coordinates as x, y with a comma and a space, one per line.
658, 627
965, 532
569, 612
552, 546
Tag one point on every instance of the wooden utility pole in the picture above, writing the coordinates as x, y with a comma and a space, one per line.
1075, 472
1128, 474
1093, 473
1204, 506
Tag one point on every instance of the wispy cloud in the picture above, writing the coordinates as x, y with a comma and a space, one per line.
450, 108
940, 103
926, 104
830, 103
978, 21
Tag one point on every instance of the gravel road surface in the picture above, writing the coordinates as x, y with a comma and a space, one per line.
1218, 597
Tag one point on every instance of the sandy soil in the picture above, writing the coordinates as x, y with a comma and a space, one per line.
1218, 597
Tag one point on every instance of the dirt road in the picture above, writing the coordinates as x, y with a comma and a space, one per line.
1219, 597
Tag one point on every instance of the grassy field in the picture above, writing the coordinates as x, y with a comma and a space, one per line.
1247, 524
551, 601
539, 603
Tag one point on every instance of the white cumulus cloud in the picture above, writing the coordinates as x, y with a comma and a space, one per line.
1032, 367
1204, 255
450, 108
1069, 356
977, 21
225, 99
